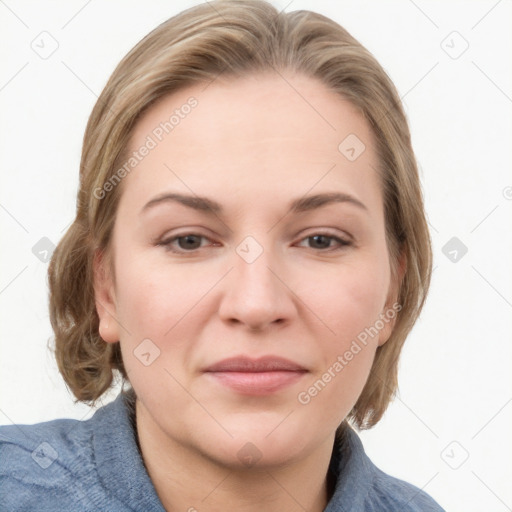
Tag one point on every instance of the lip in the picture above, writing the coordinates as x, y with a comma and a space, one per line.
262, 376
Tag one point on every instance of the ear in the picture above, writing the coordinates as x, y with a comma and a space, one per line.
392, 307
105, 298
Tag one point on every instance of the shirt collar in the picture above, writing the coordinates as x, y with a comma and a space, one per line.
118, 460
353, 470
122, 471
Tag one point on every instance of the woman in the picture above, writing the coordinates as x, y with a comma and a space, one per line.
249, 253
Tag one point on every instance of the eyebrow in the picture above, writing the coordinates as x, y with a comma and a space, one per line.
209, 206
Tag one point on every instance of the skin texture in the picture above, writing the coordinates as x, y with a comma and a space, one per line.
253, 145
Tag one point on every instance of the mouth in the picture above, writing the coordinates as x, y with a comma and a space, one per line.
262, 376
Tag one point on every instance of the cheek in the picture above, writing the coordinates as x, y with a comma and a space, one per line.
156, 338
349, 304
140, 302
159, 301
349, 298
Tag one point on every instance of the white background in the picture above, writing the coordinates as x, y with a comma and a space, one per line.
455, 383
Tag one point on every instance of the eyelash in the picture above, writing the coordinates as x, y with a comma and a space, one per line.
167, 243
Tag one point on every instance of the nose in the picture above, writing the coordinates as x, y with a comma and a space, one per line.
256, 295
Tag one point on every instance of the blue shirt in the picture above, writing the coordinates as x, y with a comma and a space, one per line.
95, 465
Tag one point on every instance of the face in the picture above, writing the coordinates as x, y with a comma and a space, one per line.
250, 263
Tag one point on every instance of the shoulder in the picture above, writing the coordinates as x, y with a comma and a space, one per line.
49, 465
388, 493
360, 485
44, 443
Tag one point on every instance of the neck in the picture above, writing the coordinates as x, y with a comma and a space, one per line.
187, 480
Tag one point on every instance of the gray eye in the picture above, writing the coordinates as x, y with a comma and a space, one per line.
320, 241
189, 242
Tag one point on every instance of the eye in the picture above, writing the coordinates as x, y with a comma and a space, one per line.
188, 242
323, 242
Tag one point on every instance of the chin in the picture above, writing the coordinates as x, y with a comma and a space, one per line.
263, 443
238, 455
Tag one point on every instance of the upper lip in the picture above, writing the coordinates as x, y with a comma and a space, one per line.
251, 365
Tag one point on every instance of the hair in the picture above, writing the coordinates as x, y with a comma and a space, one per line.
234, 38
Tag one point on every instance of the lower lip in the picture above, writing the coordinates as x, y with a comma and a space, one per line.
257, 383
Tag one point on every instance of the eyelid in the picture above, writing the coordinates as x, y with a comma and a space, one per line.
330, 232
343, 241
166, 241
176, 233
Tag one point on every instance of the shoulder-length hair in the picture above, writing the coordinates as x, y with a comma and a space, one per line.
234, 38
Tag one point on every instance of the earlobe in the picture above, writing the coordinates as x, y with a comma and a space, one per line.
389, 316
393, 307
105, 328
105, 299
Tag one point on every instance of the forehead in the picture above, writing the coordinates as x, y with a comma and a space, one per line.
281, 133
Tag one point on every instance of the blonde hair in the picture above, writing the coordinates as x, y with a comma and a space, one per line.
234, 38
